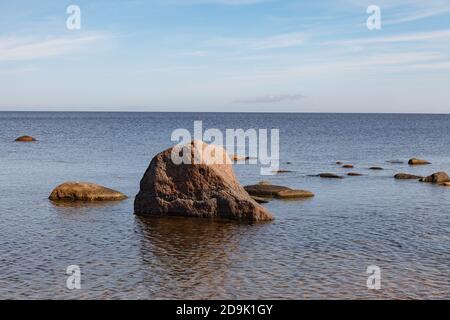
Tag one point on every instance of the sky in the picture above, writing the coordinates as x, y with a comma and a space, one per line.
226, 55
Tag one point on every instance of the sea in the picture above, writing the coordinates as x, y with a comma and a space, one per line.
355, 232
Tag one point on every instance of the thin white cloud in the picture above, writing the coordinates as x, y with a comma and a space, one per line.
417, 15
21, 49
286, 40
410, 37
273, 98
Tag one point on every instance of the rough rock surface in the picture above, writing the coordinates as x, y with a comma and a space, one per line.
438, 177
84, 191
206, 187
280, 192
415, 161
407, 176
25, 139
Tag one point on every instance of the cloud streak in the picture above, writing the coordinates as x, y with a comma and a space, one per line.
273, 98
22, 49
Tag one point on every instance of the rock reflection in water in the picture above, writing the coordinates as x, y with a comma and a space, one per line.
188, 258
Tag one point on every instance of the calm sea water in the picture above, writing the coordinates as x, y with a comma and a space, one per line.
317, 248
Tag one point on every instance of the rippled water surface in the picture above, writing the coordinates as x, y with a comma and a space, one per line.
317, 248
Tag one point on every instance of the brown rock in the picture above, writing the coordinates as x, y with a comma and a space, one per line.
329, 176
414, 162
438, 177
407, 176
25, 139
206, 188
445, 184
354, 174
236, 157
282, 171
376, 168
338, 162
348, 166
84, 191
260, 199
273, 191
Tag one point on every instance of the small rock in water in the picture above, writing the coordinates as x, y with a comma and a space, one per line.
395, 161
282, 171
407, 176
329, 176
280, 192
415, 161
438, 177
338, 162
445, 184
348, 166
376, 168
354, 174
84, 191
25, 139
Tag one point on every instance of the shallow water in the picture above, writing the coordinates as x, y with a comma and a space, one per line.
316, 248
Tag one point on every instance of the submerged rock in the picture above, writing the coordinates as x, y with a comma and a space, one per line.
407, 176
338, 162
395, 161
348, 166
415, 161
438, 177
206, 188
376, 168
25, 139
354, 174
84, 191
273, 191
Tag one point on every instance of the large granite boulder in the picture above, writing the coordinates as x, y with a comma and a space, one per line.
203, 185
438, 177
84, 191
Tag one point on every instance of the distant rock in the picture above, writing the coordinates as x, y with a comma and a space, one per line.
395, 161
84, 191
329, 176
438, 177
407, 176
236, 157
354, 174
282, 171
338, 162
376, 168
25, 139
348, 166
414, 162
206, 188
280, 192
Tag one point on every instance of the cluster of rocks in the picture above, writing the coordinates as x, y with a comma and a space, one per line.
206, 189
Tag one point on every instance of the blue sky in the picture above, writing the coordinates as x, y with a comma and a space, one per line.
226, 55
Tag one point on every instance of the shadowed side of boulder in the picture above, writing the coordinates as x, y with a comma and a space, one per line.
205, 188
25, 139
84, 191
